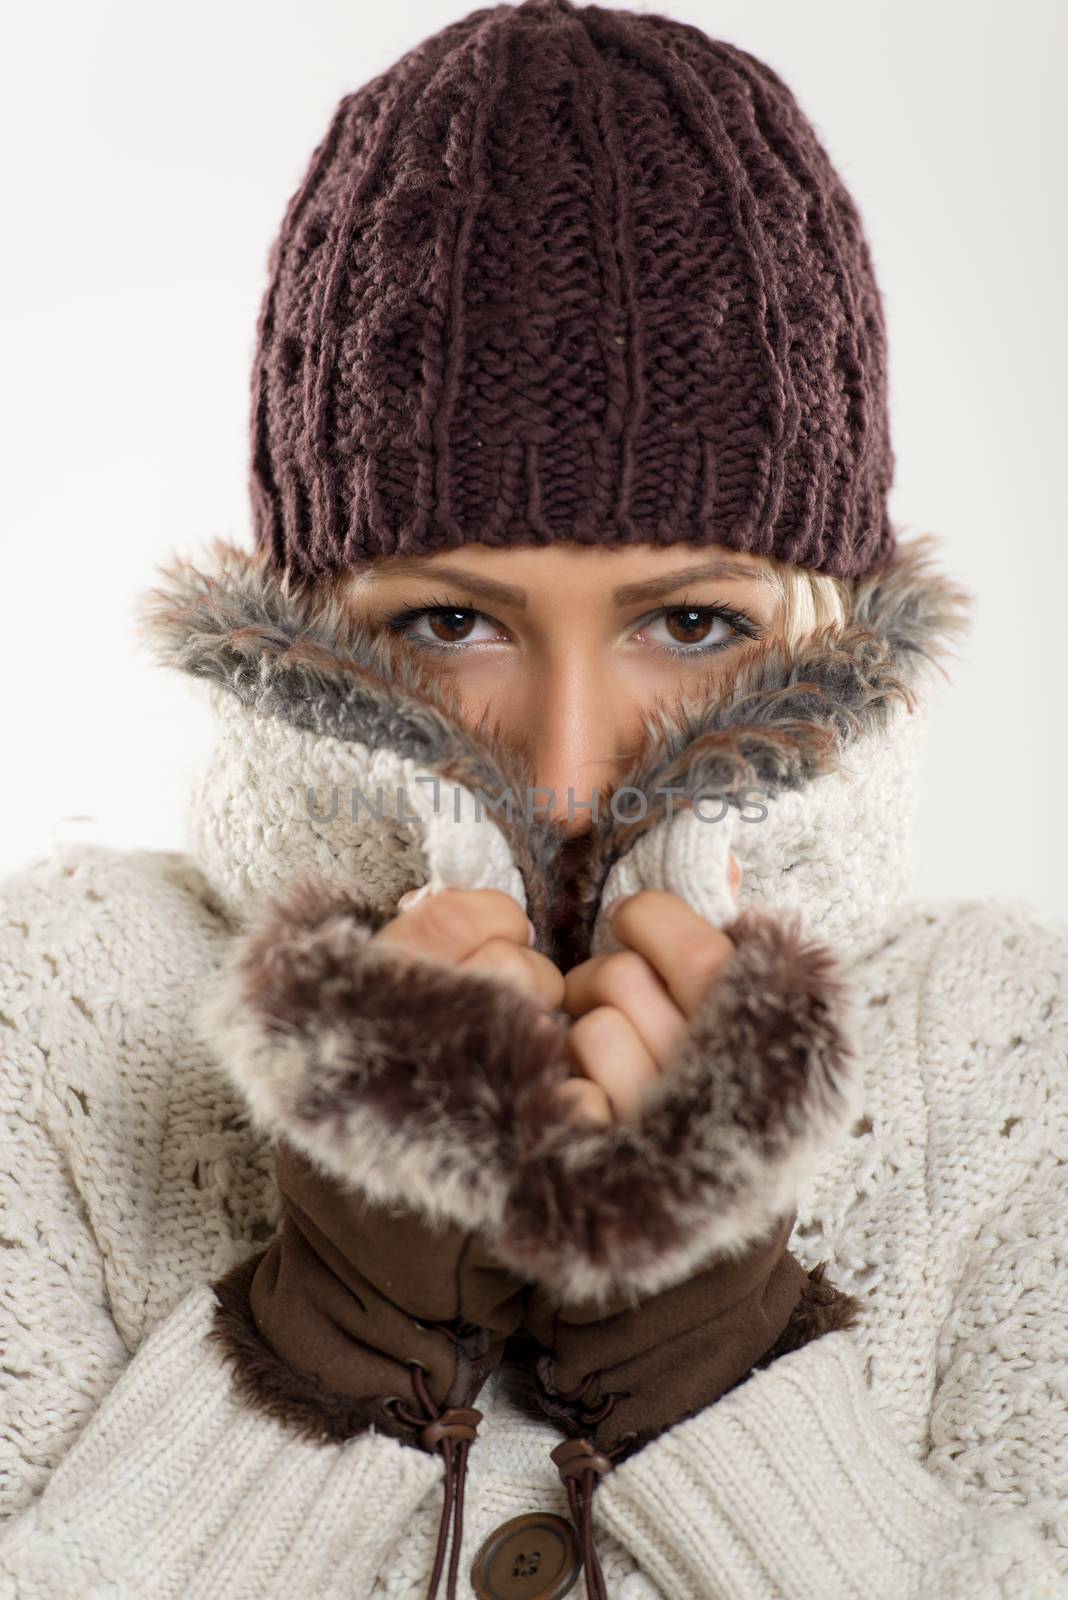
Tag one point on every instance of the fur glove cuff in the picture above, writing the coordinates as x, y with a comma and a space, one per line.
437, 1091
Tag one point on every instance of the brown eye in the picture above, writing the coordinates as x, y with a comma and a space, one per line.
698, 630
450, 625
689, 626
445, 627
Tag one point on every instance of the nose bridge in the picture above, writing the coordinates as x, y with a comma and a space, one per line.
578, 726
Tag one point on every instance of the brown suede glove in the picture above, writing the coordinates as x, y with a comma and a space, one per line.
616, 1376
360, 1315
642, 1368
388, 1312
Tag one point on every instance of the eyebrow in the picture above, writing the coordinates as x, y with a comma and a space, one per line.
503, 593
625, 594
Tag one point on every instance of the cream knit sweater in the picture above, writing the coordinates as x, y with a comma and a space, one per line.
923, 1452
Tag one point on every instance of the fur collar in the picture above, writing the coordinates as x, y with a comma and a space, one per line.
279, 654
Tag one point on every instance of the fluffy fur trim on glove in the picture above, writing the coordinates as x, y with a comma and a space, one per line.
433, 1088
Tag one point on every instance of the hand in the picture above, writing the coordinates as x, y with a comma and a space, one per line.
634, 1006
355, 1297
429, 1181
476, 930
619, 1372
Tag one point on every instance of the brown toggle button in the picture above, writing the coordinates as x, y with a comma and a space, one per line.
575, 1457
458, 1422
532, 1557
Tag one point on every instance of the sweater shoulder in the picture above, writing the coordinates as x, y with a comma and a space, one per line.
1004, 944
89, 934
964, 943
991, 980
61, 904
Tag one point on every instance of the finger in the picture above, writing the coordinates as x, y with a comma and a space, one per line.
627, 981
532, 971
607, 1049
582, 1101
686, 951
735, 873
451, 923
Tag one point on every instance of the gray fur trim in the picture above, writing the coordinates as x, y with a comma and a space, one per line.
802, 707
436, 1090
294, 651
786, 715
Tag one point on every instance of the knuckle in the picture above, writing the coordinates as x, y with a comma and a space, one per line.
442, 911
597, 1028
505, 911
446, 916
590, 1100
506, 958
620, 976
704, 957
579, 981
582, 1100
551, 976
640, 902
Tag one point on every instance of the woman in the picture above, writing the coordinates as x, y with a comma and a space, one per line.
530, 1139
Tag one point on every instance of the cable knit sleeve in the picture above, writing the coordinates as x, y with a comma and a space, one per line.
176, 1488
797, 1482
794, 1485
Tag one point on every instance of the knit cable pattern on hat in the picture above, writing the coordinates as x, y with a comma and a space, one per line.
571, 273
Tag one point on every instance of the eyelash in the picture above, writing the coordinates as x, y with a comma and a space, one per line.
744, 625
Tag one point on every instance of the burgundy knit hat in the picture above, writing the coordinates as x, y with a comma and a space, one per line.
573, 273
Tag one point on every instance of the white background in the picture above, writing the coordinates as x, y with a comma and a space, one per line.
149, 152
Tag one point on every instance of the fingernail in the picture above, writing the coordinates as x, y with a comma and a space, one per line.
610, 907
413, 897
531, 935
